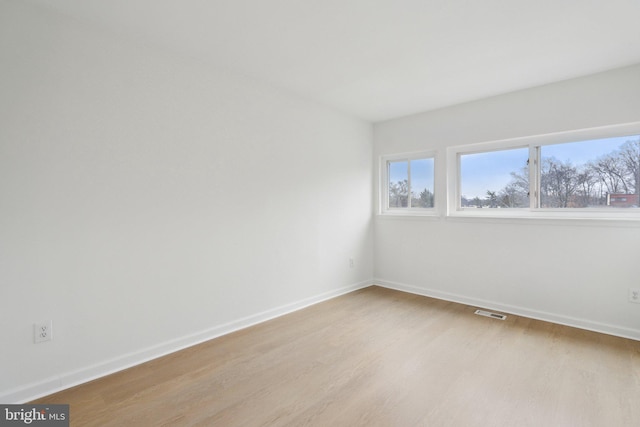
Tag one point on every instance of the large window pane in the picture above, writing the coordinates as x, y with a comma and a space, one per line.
422, 183
495, 179
596, 173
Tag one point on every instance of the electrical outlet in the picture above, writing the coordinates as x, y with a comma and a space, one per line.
634, 295
352, 263
43, 331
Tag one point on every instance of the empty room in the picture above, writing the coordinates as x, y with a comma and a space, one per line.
323, 213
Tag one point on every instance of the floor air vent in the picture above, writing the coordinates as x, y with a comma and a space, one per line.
490, 314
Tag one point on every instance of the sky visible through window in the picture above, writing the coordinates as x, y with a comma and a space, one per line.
421, 175
491, 171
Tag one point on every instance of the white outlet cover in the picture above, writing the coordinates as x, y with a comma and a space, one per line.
634, 295
43, 331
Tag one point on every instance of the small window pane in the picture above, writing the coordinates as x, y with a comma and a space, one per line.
410, 183
422, 183
398, 184
496, 179
603, 173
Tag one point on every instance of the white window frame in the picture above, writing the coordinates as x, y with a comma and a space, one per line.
384, 208
534, 143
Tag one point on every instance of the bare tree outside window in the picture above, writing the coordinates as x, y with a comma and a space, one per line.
591, 182
587, 174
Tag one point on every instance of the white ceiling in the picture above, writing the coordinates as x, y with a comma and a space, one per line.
381, 59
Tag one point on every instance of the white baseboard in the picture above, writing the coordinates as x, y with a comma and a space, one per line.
88, 373
560, 319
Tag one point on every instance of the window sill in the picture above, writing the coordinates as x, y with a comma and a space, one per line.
550, 218
410, 215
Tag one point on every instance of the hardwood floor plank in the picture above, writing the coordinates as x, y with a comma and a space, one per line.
377, 357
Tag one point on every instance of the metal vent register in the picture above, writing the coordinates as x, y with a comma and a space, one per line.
490, 314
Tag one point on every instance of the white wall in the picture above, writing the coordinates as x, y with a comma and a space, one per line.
566, 272
148, 202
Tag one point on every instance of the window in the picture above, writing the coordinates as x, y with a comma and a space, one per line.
495, 179
596, 172
602, 173
408, 184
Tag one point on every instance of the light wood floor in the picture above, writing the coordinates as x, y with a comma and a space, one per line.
377, 357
